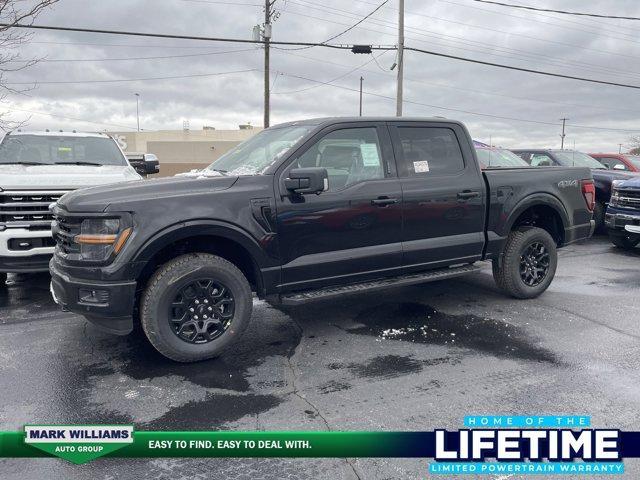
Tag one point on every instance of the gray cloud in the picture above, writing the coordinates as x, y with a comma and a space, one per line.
602, 49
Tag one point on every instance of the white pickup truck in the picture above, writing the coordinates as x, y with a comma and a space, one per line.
36, 169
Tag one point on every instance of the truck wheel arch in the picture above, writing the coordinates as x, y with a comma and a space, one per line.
546, 207
187, 237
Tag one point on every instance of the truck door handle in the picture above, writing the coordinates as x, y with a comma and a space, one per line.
383, 201
467, 194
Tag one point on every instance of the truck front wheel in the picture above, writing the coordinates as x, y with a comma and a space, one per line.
195, 306
528, 263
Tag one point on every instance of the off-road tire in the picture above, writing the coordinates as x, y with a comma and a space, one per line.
624, 241
506, 271
598, 217
161, 289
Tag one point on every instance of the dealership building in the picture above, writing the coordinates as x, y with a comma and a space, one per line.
183, 150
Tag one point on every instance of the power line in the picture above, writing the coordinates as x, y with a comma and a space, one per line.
475, 91
470, 112
427, 33
349, 28
157, 57
339, 47
33, 112
70, 82
564, 12
521, 69
166, 35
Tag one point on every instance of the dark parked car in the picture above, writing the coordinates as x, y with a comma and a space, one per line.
571, 158
619, 161
494, 157
623, 214
304, 211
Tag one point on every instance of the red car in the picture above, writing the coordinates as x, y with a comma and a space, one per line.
619, 161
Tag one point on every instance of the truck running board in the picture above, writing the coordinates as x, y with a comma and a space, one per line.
299, 298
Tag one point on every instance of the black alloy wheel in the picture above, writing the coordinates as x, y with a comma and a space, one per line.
201, 311
534, 264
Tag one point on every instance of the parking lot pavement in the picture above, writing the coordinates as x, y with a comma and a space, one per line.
415, 358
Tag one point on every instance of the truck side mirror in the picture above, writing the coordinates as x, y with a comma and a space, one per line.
151, 164
307, 180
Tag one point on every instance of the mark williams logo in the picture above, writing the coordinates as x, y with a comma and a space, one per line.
78, 443
527, 450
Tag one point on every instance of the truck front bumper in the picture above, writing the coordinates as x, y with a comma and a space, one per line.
621, 221
24, 250
107, 305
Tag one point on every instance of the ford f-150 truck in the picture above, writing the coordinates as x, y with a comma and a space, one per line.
623, 213
308, 210
36, 169
602, 177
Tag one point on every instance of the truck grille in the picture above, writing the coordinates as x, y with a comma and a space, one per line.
27, 209
629, 198
64, 231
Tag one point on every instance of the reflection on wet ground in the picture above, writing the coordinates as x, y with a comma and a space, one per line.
415, 322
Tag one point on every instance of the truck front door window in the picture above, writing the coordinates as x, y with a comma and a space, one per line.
351, 155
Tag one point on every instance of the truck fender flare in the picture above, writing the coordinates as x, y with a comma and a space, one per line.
533, 200
192, 228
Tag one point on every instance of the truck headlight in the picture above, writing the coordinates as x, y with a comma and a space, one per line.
99, 237
615, 194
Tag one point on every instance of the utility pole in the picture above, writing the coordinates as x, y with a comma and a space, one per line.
400, 58
563, 135
138, 109
619, 148
361, 80
267, 37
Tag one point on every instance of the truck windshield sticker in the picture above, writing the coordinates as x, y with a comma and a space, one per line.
421, 166
370, 157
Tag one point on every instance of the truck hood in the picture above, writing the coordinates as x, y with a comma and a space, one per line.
633, 183
612, 174
117, 197
62, 177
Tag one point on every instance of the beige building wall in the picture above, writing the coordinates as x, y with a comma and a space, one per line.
183, 150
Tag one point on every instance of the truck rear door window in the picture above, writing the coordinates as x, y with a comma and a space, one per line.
429, 151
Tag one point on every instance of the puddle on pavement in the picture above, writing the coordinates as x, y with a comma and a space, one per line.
415, 322
213, 412
389, 366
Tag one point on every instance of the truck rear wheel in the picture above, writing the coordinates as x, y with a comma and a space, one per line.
528, 264
624, 241
195, 306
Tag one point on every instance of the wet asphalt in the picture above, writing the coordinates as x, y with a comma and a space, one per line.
415, 358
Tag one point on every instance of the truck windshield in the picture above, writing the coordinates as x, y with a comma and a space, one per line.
498, 157
570, 158
60, 150
253, 156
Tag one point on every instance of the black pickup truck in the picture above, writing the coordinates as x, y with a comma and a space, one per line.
302, 211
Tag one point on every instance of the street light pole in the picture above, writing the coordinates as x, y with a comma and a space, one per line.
138, 109
400, 59
361, 79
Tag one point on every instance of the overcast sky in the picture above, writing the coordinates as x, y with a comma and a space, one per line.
580, 46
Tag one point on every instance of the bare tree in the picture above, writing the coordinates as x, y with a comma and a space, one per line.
13, 12
635, 145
